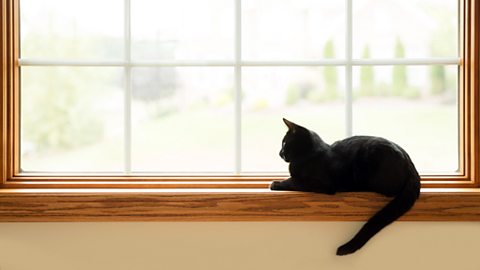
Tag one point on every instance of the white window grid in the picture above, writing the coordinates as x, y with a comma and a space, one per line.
237, 63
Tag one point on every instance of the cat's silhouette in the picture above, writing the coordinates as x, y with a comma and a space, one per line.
358, 163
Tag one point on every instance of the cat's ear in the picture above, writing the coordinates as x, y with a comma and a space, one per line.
291, 126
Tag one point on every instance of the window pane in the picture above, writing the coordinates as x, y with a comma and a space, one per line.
59, 29
183, 120
415, 106
71, 119
182, 29
398, 29
293, 29
310, 96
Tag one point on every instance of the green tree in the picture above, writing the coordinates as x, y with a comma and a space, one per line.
367, 77
399, 75
58, 109
330, 73
438, 80
440, 47
58, 103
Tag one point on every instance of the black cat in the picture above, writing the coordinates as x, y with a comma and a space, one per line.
358, 163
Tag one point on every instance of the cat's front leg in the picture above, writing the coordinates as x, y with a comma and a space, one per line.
288, 184
292, 184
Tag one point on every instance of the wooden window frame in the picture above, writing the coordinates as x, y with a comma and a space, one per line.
37, 197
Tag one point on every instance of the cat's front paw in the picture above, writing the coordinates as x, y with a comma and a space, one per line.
276, 185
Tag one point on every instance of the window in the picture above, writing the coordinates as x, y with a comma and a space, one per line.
193, 90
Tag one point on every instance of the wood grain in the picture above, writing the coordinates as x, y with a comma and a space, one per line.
224, 205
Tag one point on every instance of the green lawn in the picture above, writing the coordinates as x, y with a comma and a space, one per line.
203, 140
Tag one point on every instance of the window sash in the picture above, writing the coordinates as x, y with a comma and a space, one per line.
9, 165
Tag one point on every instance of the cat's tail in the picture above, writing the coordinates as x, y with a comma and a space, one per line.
392, 211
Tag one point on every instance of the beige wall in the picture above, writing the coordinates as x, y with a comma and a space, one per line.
237, 245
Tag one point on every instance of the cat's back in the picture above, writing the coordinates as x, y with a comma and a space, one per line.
373, 164
361, 144
363, 152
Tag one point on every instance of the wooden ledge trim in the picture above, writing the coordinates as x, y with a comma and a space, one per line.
46, 205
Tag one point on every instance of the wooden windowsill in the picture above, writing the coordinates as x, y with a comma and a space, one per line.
241, 204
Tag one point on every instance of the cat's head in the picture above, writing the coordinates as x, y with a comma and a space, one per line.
298, 142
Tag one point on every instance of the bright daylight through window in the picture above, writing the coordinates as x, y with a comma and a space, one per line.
196, 87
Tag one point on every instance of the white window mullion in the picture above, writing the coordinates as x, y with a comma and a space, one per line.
301, 63
348, 71
238, 86
128, 91
407, 61
214, 63
68, 63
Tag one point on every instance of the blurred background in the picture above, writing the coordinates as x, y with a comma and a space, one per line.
183, 118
